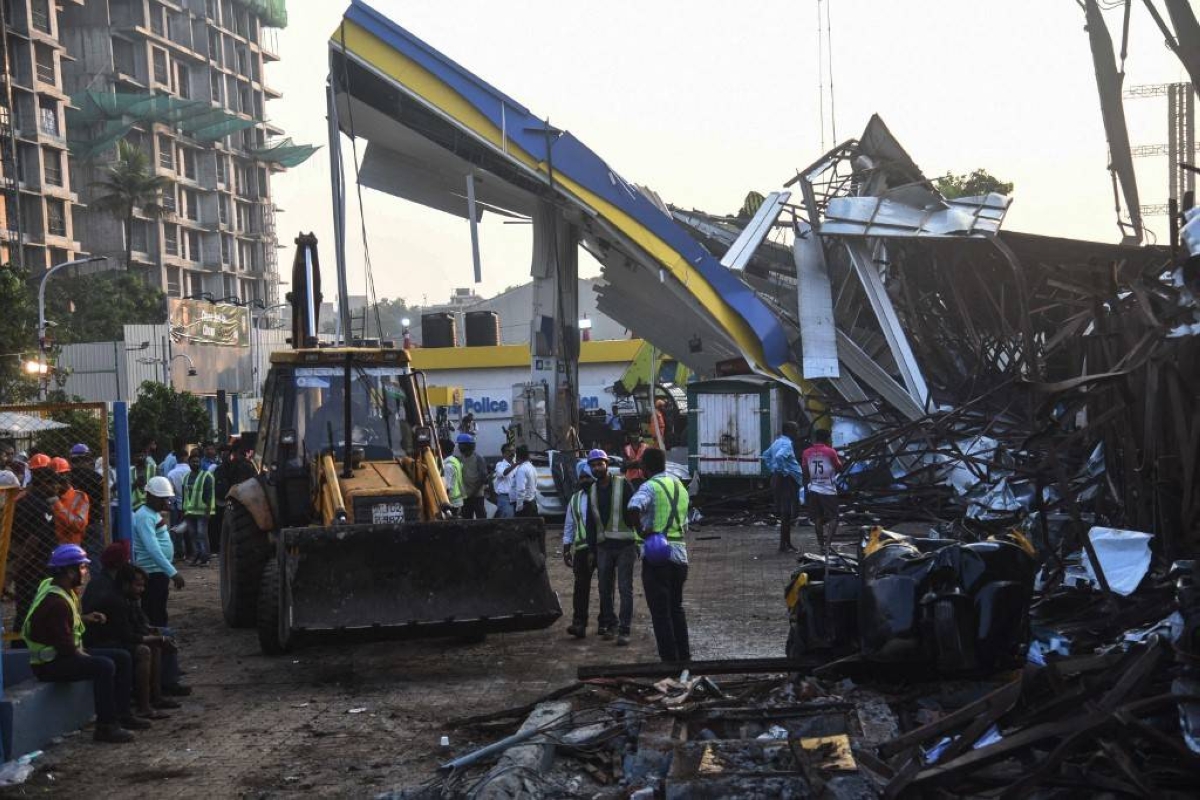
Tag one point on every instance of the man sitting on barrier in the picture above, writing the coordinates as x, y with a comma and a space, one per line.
53, 632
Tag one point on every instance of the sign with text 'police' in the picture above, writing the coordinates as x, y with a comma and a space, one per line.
486, 406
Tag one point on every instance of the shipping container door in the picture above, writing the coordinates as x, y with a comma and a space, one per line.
730, 434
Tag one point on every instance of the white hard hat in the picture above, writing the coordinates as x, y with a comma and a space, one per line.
160, 487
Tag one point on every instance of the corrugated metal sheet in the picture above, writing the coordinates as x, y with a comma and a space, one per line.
96, 371
730, 433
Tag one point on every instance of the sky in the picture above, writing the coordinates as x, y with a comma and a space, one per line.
704, 101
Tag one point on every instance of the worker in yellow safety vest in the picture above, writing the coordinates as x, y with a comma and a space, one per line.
659, 513
579, 553
616, 546
53, 632
199, 504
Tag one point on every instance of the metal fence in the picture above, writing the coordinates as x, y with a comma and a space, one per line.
64, 500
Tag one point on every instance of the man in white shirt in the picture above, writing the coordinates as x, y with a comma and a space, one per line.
523, 491
502, 481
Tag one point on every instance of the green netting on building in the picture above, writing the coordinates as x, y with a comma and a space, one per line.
272, 12
99, 119
285, 152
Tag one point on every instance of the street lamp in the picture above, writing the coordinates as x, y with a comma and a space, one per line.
42, 293
42, 309
404, 323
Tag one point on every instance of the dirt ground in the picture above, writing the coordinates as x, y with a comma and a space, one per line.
354, 721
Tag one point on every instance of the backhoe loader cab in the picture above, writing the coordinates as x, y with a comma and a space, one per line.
347, 527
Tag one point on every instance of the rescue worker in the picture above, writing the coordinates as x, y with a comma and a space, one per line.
474, 477
523, 491
579, 554
633, 451
502, 481
616, 549
153, 551
821, 469
53, 632
452, 476
199, 504
659, 513
660, 422
73, 508
33, 532
86, 479
141, 470
786, 478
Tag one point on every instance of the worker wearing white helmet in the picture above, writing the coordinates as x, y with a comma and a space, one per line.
153, 550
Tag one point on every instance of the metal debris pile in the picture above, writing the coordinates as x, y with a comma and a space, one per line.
978, 376
1107, 703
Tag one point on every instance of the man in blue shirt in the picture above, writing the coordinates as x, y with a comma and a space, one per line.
153, 550
786, 479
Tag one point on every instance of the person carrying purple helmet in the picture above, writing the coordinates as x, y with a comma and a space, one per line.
53, 633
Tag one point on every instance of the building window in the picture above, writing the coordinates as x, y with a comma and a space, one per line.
173, 286
192, 240
226, 249
123, 57
183, 81
158, 19
40, 11
191, 204
59, 256
223, 209
195, 284
53, 167
56, 217
138, 236
214, 87
188, 163
48, 116
222, 171
168, 200
171, 239
45, 63
166, 152
160, 67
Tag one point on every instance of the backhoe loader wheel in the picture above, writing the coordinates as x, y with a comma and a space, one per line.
269, 638
244, 552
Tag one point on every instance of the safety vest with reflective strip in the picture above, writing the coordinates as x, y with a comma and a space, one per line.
617, 527
71, 517
44, 653
454, 488
194, 502
580, 541
670, 506
138, 496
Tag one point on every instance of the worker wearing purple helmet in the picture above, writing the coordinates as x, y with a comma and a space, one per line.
53, 632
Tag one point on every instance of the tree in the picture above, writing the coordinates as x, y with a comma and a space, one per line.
18, 334
970, 185
95, 308
129, 185
162, 414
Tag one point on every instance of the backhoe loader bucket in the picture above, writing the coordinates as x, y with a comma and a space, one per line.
413, 580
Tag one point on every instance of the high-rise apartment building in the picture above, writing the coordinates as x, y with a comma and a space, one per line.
184, 81
37, 192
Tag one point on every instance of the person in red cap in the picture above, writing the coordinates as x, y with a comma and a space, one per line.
73, 508
53, 632
33, 532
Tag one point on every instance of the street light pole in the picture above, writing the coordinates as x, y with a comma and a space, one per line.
42, 294
41, 330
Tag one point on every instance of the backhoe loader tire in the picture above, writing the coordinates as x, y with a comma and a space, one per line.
268, 612
244, 553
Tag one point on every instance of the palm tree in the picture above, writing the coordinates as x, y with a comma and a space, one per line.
130, 185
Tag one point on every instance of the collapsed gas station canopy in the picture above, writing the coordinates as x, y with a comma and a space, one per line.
429, 123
